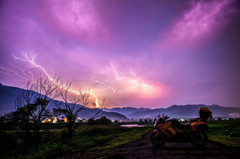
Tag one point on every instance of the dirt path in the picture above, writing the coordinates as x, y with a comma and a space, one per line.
144, 149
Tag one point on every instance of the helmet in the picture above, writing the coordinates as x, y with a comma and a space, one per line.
205, 113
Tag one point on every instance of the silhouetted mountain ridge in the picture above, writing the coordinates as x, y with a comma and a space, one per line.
185, 111
8, 95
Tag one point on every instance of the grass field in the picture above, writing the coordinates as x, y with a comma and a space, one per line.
225, 132
88, 138
99, 139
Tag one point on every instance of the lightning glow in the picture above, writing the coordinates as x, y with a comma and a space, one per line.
133, 82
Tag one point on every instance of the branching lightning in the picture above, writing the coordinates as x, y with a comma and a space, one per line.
132, 82
136, 81
31, 61
115, 72
11, 72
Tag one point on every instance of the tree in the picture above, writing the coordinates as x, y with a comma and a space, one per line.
39, 94
70, 107
103, 120
33, 105
91, 121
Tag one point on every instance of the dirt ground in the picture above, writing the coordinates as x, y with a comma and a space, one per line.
144, 149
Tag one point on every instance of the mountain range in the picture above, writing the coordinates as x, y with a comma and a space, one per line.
177, 111
8, 95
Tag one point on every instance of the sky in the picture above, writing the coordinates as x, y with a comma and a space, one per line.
138, 53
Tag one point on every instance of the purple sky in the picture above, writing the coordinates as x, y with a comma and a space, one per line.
137, 53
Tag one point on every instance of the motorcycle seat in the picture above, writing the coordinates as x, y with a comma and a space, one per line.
178, 124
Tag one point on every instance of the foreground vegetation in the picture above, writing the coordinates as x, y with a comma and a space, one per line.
225, 132
88, 138
94, 139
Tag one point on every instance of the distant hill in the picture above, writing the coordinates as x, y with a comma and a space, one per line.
7, 98
126, 110
88, 113
8, 95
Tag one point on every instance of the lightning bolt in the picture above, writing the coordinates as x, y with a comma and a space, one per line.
115, 72
31, 60
8, 71
88, 92
116, 78
96, 98
102, 83
134, 81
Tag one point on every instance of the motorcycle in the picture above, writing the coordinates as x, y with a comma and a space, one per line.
172, 130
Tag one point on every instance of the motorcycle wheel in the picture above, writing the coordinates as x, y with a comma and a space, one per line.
199, 139
158, 139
